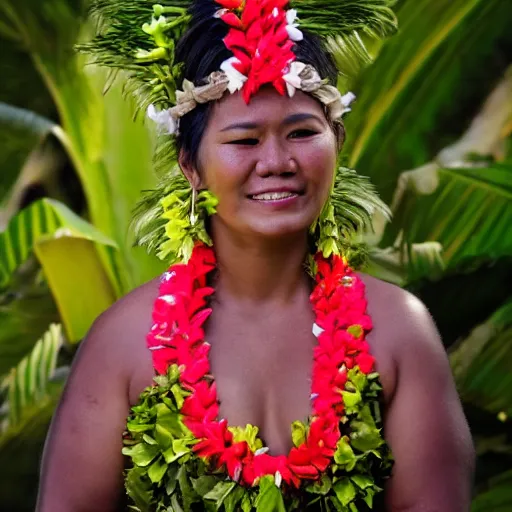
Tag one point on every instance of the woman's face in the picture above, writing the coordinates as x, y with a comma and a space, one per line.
269, 163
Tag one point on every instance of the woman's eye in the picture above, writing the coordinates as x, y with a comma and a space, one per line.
299, 134
245, 142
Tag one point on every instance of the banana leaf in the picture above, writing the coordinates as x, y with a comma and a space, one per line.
426, 84
467, 210
481, 364
66, 247
44, 219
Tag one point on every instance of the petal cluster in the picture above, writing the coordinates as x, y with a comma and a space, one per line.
261, 37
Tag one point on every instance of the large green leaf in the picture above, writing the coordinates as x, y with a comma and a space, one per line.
110, 153
481, 363
67, 248
44, 219
130, 170
426, 84
467, 210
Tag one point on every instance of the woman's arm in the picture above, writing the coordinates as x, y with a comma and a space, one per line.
425, 424
82, 467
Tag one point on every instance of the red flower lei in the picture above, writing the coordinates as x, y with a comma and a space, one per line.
177, 337
259, 40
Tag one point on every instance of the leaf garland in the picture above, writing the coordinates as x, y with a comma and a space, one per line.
166, 473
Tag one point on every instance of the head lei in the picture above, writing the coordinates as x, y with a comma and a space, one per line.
156, 46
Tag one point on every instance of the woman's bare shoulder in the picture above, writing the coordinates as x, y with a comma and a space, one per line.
118, 336
392, 307
130, 315
402, 326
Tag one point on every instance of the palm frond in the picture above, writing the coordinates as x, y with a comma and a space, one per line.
333, 18
27, 383
355, 202
139, 37
350, 54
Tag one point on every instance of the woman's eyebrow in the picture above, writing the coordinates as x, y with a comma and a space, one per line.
301, 116
240, 126
291, 119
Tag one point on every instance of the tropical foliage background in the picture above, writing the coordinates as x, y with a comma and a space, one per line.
432, 128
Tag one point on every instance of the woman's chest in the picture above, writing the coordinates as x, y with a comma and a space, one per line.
262, 369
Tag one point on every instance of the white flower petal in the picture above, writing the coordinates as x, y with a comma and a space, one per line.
347, 99
291, 16
317, 330
151, 112
292, 78
236, 79
163, 119
290, 89
278, 479
294, 33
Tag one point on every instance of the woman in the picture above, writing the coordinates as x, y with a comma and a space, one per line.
293, 333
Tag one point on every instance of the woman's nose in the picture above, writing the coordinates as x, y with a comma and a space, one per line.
274, 159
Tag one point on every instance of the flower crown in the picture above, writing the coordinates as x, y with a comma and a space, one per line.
140, 38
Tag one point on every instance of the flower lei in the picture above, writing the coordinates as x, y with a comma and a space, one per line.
182, 454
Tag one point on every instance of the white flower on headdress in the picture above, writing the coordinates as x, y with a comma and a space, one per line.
236, 79
291, 27
163, 119
346, 101
292, 78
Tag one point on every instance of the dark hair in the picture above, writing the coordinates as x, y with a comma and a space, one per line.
202, 50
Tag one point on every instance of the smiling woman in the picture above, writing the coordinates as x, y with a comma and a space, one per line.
274, 376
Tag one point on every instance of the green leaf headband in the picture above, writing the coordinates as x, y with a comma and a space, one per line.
140, 38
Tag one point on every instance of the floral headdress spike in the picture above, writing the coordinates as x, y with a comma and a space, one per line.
140, 38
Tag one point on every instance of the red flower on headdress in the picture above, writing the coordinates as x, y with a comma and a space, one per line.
259, 40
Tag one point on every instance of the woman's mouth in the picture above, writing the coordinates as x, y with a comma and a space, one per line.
273, 196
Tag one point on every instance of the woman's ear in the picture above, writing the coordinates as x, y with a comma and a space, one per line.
189, 170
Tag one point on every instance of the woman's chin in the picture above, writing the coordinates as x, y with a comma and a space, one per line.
279, 228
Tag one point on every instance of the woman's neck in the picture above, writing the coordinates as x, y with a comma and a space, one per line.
260, 270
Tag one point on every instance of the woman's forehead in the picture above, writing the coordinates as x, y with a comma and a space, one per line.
267, 104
